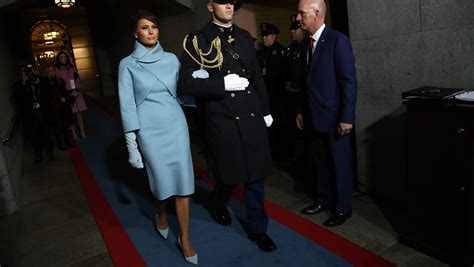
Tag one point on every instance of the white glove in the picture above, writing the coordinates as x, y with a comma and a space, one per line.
134, 156
234, 82
268, 120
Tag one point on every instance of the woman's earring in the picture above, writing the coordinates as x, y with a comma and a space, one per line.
135, 36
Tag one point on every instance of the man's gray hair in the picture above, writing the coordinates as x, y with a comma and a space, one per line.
319, 5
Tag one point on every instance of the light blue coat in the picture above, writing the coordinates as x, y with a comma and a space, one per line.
149, 106
138, 75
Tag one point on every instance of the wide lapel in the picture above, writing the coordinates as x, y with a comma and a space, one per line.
320, 45
148, 59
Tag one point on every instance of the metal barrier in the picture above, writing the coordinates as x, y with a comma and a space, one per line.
11, 129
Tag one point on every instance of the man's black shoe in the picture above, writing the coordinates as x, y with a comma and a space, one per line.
312, 209
337, 219
222, 219
264, 242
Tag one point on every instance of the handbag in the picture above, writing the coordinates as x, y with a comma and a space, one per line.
71, 97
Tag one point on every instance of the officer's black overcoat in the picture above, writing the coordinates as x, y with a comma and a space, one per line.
236, 135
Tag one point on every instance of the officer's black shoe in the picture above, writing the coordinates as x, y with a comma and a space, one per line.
314, 208
337, 219
220, 218
264, 242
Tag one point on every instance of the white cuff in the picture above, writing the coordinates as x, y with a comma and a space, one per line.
268, 120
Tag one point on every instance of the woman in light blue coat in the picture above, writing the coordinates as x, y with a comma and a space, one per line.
152, 116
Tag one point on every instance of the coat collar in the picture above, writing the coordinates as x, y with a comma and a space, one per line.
142, 54
325, 32
210, 31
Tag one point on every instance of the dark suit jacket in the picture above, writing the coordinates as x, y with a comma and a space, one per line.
332, 84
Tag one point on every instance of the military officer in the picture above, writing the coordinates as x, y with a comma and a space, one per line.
220, 68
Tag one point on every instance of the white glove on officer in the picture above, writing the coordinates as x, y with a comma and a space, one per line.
234, 82
134, 156
268, 120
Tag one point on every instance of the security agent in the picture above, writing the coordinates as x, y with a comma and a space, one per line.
271, 63
295, 85
296, 54
220, 68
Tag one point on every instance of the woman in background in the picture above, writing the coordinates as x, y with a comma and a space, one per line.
67, 73
152, 116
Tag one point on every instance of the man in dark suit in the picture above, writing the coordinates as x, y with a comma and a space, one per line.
220, 68
331, 96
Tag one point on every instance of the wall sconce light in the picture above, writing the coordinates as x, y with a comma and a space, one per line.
65, 3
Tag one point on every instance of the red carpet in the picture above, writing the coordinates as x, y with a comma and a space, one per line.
120, 247
124, 253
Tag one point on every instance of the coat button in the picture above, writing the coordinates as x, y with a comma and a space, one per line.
248, 92
232, 94
228, 71
251, 114
237, 118
243, 70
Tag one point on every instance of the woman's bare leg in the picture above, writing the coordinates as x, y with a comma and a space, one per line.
80, 122
162, 222
73, 131
182, 210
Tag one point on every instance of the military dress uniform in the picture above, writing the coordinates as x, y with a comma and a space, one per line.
235, 130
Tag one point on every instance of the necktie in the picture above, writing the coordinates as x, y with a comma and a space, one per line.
311, 45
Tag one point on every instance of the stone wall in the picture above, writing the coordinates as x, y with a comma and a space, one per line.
400, 45
10, 152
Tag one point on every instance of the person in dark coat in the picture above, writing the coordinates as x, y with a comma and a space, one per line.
61, 109
272, 66
33, 97
331, 97
220, 68
297, 144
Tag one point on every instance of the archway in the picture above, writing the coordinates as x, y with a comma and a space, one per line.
48, 37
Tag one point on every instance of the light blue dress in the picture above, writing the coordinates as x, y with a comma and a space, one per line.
149, 106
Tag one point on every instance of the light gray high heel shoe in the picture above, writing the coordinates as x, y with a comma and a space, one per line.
162, 232
192, 259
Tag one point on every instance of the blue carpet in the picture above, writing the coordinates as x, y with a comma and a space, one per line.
126, 190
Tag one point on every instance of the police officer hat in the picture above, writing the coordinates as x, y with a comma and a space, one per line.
267, 28
236, 3
294, 24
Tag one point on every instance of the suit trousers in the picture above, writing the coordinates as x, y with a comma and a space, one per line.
257, 217
332, 156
